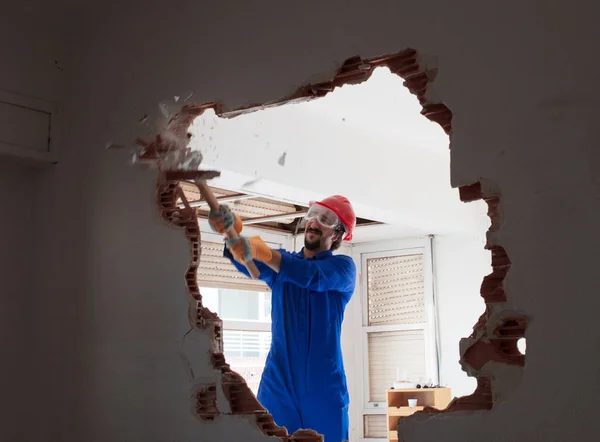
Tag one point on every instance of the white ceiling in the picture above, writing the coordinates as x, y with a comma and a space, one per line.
368, 142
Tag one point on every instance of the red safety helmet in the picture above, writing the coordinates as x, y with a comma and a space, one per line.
343, 209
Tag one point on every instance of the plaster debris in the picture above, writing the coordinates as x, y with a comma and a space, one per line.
183, 159
169, 150
164, 110
281, 160
176, 98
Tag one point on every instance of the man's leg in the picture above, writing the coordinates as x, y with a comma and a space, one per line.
329, 420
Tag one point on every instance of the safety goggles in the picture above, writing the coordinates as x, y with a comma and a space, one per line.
323, 215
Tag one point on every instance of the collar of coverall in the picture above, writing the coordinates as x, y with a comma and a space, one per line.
321, 255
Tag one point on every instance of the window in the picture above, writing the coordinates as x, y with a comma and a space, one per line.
398, 329
217, 271
242, 303
246, 319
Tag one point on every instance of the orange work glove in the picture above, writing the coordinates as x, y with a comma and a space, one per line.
224, 219
246, 249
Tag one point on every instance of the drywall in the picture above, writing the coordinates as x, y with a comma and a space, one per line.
521, 85
19, 190
35, 49
34, 355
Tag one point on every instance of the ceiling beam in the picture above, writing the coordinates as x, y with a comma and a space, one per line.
224, 199
270, 218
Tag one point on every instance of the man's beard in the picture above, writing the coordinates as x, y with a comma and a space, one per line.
316, 243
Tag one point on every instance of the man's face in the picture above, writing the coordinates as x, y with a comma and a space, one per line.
317, 236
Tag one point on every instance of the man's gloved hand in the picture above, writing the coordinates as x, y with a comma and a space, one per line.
246, 249
224, 219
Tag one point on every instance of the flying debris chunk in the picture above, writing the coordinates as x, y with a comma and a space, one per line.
281, 160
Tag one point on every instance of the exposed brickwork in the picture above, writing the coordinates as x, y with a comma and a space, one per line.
356, 70
500, 343
495, 345
206, 402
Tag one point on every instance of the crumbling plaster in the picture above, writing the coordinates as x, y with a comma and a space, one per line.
521, 86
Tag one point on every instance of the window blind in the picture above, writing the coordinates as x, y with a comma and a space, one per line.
396, 303
388, 351
396, 290
375, 426
244, 343
217, 271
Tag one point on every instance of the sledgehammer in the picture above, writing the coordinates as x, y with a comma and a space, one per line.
214, 205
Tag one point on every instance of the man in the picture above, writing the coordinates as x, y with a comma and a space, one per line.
304, 384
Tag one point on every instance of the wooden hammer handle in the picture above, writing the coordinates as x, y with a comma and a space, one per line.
214, 205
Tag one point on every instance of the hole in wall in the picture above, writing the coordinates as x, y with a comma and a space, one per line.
354, 70
373, 130
522, 345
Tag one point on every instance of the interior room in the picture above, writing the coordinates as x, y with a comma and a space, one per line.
463, 139
424, 246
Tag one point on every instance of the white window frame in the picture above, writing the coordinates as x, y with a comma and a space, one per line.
361, 252
273, 240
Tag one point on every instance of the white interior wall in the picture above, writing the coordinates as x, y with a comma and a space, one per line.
460, 263
332, 145
111, 309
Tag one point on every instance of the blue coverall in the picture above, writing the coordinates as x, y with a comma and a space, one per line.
304, 383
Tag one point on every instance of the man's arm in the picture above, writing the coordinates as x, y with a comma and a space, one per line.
266, 274
335, 273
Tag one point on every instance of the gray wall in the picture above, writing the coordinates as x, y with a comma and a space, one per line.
521, 83
19, 226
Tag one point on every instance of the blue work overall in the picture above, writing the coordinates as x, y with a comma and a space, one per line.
304, 383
